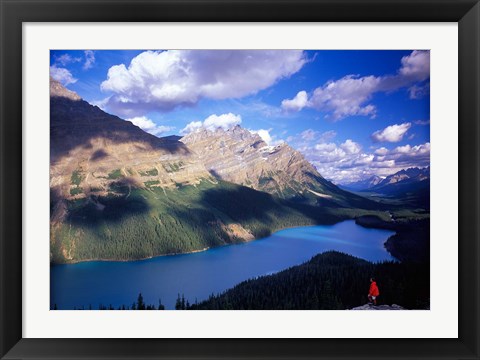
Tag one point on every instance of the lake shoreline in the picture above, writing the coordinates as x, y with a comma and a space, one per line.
379, 227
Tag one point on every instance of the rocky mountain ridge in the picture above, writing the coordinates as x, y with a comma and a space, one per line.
242, 157
92, 150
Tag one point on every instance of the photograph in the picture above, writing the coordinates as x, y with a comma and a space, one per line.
239, 179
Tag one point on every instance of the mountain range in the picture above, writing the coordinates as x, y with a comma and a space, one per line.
364, 184
119, 193
411, 185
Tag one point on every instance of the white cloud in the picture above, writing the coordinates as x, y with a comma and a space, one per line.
385, 164
351, 147
381, 151
350, 95
346, 97
213, 122
264, 134
402, 149
162, 81
326, 153
417, 150
342, 167
89, 59
297, 103
364, 159
224, 121
267, 137
326, 147
191, 127
62, 75
392, 133
66, 59
416, 66
347, 162
149, 126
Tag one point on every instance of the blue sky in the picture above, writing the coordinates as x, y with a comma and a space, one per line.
352, 114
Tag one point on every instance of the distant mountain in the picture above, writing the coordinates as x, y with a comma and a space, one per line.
412, 186
242, 157
364, 184
402, 178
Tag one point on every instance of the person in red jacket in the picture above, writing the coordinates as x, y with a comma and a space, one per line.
373, 292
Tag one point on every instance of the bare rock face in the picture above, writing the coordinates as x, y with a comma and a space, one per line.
241, 157
92, 151
58, 90
379, 307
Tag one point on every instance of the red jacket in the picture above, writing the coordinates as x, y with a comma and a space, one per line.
373, 289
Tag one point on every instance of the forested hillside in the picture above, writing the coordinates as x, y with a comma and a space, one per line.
331, 280
141, 223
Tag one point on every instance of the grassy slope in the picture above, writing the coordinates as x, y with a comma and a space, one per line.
142, 223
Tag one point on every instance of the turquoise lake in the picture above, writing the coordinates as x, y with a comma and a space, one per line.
198, 275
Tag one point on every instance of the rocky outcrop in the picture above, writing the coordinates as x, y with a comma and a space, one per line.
379, 307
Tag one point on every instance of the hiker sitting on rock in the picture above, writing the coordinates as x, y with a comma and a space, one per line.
373, 292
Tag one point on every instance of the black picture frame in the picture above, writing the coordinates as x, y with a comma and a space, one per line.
15, 12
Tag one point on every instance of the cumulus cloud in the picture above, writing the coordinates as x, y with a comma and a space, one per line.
416, 66
267, 137
149, 126
297, 103
191, 127
351, 147
346, 97
62, 75
89, 59
164, 80
392, 133
224, 121
381, 151
344, 162
213, 122
342, 167
264, 134
350, 95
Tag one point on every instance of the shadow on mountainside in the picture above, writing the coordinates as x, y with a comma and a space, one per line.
243, 204
74, 123
95, 210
